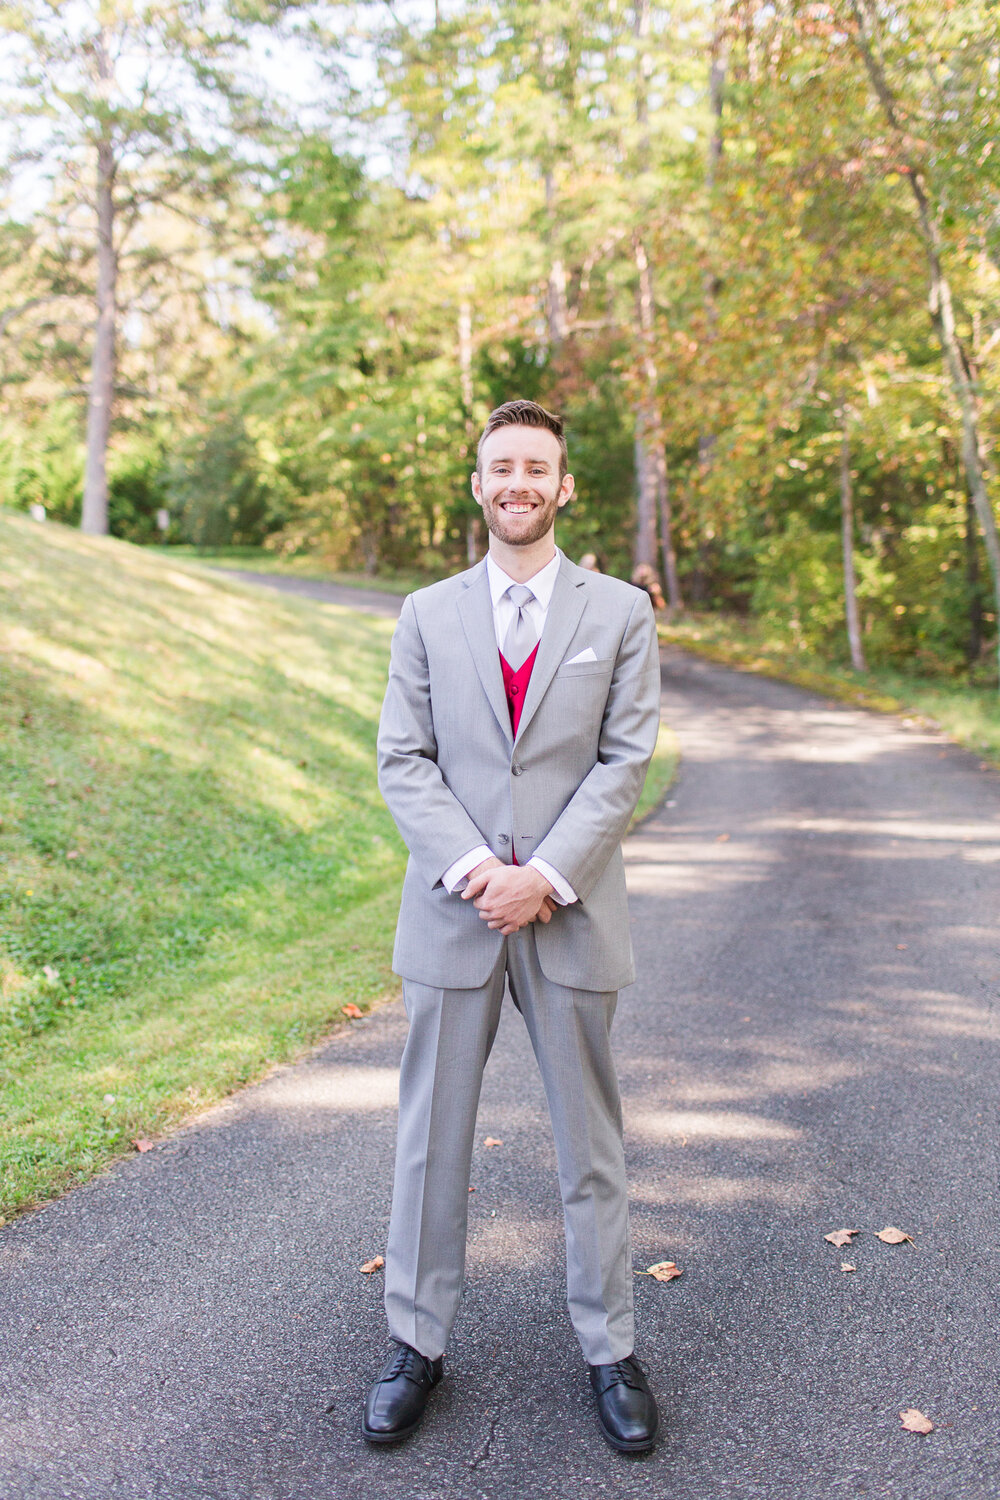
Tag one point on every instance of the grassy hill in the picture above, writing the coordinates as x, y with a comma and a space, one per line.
197, 869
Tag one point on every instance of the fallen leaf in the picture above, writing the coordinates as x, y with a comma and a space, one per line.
375, 1264
664, 1270
491, 1140
51, 781
845, 1265
141, 1144
723, 838
353, 1011
841, 1237
472, 1190
892, 1236
915, 1421
901, 947
72, 854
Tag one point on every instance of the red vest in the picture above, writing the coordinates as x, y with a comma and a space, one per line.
515, 685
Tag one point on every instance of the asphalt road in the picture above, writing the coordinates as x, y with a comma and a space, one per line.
811, 1045
366, 601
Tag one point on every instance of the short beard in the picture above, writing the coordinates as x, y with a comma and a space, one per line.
542, 524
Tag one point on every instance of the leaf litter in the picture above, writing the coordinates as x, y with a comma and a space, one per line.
664, 1270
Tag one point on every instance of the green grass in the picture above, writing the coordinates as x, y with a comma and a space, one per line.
198, 871
662, 770
970, 715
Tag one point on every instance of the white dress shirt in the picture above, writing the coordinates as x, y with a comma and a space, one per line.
541, 585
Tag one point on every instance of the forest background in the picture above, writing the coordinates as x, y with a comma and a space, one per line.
266, 267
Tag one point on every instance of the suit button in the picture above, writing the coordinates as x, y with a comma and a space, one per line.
516, 770
503, 838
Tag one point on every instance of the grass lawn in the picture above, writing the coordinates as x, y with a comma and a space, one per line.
970, 715
198, 872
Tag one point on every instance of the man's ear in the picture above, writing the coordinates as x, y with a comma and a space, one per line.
476, 486
566, 490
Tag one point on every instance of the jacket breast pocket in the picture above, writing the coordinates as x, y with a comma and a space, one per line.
585, 668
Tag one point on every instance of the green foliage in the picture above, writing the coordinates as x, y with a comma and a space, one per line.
41, 463
219, 488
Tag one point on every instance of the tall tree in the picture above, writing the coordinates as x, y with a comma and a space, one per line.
135, 105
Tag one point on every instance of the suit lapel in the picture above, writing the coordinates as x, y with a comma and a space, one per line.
475, 608
569, 599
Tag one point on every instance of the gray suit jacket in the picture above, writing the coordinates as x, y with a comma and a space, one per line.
453, 775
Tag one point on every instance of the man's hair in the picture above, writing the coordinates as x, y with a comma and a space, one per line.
525, 414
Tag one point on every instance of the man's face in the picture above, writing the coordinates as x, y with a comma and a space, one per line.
519, 486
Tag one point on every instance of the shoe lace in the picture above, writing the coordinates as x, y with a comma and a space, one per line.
403, 1362
622, 1372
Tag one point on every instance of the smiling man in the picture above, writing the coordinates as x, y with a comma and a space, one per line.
520, 716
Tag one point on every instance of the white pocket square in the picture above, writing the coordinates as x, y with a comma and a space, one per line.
587, 654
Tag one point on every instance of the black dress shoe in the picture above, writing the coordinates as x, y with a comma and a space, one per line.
626, 1407
395, 1405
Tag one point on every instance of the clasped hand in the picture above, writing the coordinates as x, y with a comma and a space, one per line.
508, 897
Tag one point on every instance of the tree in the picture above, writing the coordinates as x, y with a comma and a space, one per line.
134, 109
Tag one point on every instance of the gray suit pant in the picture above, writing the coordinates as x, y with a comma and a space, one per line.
450, 1037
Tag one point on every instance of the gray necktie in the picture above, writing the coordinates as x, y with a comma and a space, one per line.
522, 637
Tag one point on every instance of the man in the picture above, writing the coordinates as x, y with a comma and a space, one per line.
520, 716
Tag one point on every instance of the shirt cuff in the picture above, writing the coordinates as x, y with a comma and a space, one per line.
455, 874
564, 892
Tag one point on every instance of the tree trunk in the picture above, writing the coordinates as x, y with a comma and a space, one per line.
473, 539
555, 301
974, 643
100, 396
652, 481
710, 282
653, 487
674, 598
847, 545
472, 529
941, 308
644, 541
465, 358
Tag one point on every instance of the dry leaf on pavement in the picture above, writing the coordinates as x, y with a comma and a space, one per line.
375, 1264
142, 1144
892, 1236
491, 1140
664, 1270
353, 1011
841, 1237
845, 1265
915, 1421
